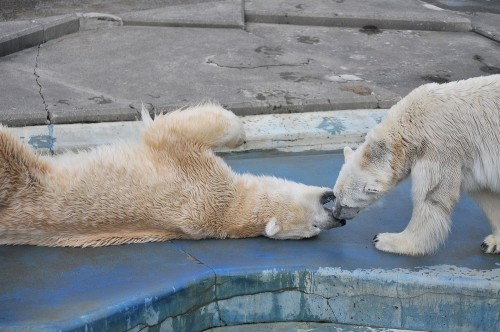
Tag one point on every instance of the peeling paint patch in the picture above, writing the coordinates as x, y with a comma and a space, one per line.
332, 125
152, 316
379, 118
42, 141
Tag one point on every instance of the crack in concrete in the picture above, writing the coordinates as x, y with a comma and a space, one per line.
51, 139
296, 289
222, 322
211, 62
402, 321
485, 34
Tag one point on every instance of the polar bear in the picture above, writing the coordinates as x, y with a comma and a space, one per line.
169, 185
447, 138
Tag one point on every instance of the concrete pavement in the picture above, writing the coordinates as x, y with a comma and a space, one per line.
321, 131
333, 55
304, 77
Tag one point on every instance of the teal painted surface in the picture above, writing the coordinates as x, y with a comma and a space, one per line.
334, 126
194, 285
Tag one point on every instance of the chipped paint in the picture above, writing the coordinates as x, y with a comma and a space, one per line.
41, 141
332, 125
323, 130
150, 314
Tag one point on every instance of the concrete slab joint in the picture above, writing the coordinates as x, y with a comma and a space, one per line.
49, 139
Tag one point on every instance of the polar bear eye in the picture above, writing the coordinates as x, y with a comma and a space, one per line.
372, 190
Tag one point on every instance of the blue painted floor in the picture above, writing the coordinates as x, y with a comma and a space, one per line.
113, 288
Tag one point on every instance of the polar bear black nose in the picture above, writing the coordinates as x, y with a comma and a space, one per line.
327, 197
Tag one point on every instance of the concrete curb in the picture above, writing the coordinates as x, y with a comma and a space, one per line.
19, 35
380, 15
396, 23
327, 131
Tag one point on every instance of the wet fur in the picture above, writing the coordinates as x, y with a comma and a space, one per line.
447, 138
169, 185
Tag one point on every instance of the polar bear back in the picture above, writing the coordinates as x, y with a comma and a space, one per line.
458, 122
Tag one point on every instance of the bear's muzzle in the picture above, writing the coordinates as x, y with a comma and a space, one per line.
332, 221
344, 212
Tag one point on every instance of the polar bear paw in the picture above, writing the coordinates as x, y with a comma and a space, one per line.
491, 244
398, 243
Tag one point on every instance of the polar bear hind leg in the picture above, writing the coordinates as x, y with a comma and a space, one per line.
206, 124
20, 169
490, 203
434, 193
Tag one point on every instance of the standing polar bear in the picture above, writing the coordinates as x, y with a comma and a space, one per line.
170, 185
447, 137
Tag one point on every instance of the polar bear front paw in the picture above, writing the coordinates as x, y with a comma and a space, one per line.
397, 243
491, 245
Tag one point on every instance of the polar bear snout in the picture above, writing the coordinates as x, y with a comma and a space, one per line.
344, 212
331, 222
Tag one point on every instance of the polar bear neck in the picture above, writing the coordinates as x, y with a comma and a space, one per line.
244, 216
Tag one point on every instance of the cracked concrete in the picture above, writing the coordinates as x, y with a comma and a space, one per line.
337, 302
110, 61
50, 139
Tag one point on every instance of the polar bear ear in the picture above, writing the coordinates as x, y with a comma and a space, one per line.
347, 153
146, 118
272, 227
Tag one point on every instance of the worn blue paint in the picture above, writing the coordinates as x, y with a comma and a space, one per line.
332, 125
194, 285
42, 141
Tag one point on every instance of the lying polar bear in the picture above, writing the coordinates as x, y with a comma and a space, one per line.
447, 137
170, 185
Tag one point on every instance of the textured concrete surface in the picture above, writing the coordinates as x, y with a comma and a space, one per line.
343, 55
216, 14
328, 130
384, 14
18, 35
338, 277
274, 69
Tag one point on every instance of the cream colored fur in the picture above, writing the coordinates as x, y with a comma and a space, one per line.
170, 185
447, 137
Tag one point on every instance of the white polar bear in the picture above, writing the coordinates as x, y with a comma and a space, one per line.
170, 185
447, 137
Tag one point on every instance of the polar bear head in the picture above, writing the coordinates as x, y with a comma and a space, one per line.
294, 211
367, 174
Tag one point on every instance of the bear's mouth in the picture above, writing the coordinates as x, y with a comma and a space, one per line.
328, 202
345, 212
